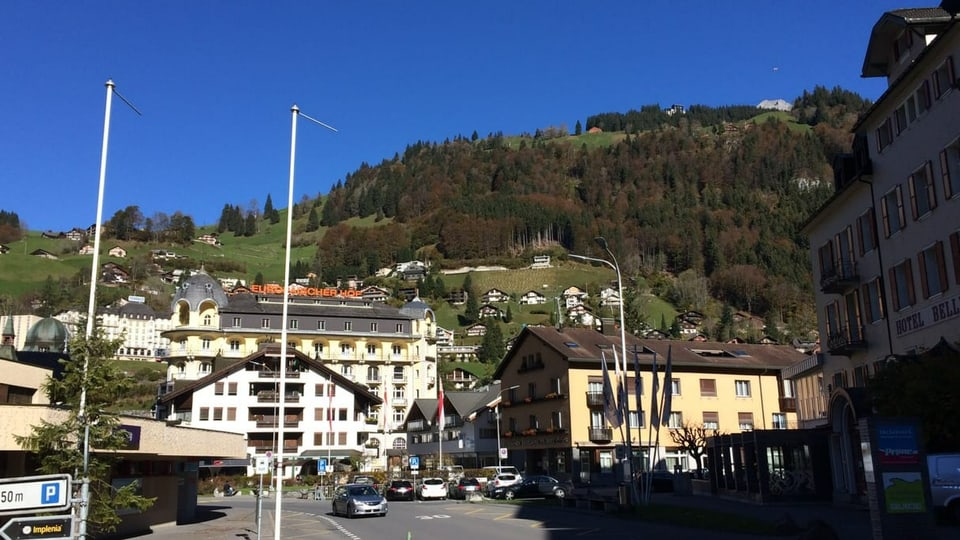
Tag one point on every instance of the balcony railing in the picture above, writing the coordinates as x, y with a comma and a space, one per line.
846, 340
274, 397
601, 435
594, 399
788, 404
840, 278
276, 375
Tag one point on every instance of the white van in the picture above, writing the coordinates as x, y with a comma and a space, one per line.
489, 472
945, 482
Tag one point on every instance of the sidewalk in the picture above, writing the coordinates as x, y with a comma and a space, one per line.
846, 522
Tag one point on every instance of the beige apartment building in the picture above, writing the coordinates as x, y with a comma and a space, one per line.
375, 349
885, 248
552, 408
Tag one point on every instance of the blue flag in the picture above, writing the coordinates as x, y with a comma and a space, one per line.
654, 416
610, 409
668, 387
638, 383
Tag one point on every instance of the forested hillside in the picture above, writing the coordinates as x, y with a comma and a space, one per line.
704, 193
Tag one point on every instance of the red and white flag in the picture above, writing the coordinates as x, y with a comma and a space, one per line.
440, 406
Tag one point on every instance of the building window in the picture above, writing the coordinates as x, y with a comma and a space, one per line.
293, 324
950, 169
234, 345
317, 349
218, 414
347, 326
373, 327
828, 263
636, 419
264, 323
933, 270
923, 196
236, 322
708, 387
346, 349
779, 421
596, 419
873, 300
884, 135
745, 421
902, 44
943, 78
398, 416
399, 328
923, 97
675, 421
901, 116
205, 344
955, 255
901, 285
207, 320
555, 386
533, 422
232, 389
321, 325
231, 414
347, 371
532, 390
711, 420
867, 231
675, 386
218, 389
743, 388
204, 413
891, 210
396, 349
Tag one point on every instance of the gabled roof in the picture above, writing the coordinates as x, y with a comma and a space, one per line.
358, 390
586, 346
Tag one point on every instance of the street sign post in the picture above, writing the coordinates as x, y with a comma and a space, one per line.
322, 466
45, 527
414, 463
31, 494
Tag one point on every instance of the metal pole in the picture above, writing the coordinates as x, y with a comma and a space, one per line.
294, 111
497, 410
91, 313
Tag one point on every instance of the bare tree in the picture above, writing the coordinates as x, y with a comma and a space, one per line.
692, 439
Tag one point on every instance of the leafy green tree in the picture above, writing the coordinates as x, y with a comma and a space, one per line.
313, 220
58, 443
492, 347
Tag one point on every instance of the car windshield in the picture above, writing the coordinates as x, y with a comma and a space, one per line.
469, 481
362, 491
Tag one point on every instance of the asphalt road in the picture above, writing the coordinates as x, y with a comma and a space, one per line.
459, 520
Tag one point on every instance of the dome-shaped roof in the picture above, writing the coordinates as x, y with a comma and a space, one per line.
199, 287
48, 335
417, 309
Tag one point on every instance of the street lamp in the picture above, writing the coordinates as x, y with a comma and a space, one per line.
602, 242
496, 412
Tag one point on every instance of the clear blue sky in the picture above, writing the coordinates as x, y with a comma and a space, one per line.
215, 81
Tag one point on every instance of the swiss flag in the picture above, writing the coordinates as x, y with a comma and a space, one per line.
440, 407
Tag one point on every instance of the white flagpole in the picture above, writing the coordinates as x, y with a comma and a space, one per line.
278, 469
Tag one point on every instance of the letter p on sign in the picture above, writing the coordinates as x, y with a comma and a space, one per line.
50, 493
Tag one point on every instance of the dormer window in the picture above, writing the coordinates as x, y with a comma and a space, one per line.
901, 47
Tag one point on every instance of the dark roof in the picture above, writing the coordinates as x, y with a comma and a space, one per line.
878, 56
588, 346
358, 390
248, 303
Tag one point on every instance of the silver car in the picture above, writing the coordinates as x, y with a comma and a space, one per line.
358, 500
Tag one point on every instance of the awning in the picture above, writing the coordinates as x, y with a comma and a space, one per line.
225, 463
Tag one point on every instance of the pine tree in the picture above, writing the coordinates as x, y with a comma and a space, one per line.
578, 129
313, 221
268, 208
56, 442
491, 348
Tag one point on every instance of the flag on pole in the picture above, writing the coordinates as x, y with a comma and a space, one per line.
623, 405
610, 409
668, 386
383, 409
638, 383
654, 417
440, 406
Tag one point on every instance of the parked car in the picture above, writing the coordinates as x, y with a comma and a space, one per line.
400, 490
358, 500
366, 479
499, 481
945, 483
533, 487
433, 488
453, 472
464, 487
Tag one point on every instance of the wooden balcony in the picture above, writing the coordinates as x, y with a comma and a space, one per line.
601, 435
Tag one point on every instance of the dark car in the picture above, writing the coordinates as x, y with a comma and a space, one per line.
533, 487
464, 487
400, 490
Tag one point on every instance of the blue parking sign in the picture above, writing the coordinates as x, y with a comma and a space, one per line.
414, 462
321, 466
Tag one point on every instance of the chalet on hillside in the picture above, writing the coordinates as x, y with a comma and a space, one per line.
87, 249
118, 252
532, 297
375, 294
494, 296
210, 239
44, 253
476, 329
490, 311
457, 297
3, 249
573, 296
76, 234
